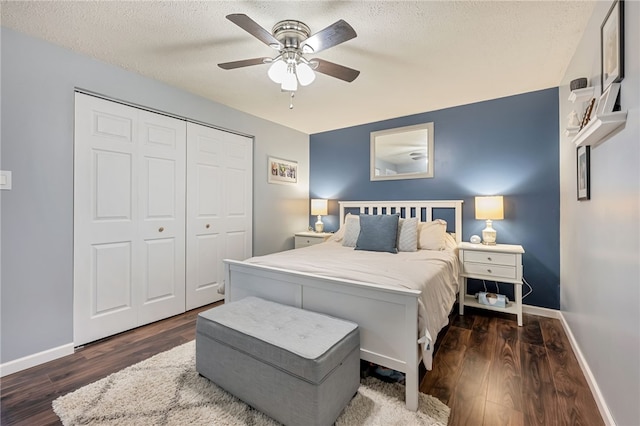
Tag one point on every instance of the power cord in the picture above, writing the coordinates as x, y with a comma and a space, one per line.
528, 285
484, 284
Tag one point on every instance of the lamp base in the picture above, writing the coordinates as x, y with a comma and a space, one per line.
319, 225
489, 234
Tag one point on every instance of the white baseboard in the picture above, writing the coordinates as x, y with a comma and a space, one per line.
541, 312
591, 380
35, 359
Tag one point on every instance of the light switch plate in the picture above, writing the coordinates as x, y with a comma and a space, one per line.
5, 179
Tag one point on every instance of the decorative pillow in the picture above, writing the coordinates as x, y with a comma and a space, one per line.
450, 242
378, 233
432, 235
351, 230
408, 234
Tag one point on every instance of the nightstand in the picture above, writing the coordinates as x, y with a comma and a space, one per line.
500, 263
309, 238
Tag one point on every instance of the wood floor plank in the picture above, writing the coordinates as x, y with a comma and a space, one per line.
441, 381
505, 382
575, 401
469, 397
499, 415
530, 331
540, 403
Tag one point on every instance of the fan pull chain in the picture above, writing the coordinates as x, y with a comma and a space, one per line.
291, 102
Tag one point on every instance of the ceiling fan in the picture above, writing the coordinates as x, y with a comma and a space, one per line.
292, 40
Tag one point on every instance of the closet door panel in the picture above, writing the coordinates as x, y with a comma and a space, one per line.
205, 244
111, 278
219, 173
105, 229
238, 196
161, 164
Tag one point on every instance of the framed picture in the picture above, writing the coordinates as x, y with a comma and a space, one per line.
608, 99
282, 171
612, 45
583, 172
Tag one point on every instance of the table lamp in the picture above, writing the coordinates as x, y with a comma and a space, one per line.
489, 208
319, 208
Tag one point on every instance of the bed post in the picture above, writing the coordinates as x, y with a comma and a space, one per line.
411, 358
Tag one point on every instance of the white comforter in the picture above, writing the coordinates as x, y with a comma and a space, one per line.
435, 273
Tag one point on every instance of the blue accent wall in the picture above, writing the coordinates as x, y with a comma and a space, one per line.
506, 146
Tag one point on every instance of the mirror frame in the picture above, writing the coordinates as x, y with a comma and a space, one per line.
429, 146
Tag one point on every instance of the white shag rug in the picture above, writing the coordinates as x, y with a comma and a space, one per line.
167, 390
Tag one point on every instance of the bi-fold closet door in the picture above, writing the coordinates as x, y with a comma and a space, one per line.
151, 225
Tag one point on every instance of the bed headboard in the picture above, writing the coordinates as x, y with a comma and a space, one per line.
423, 210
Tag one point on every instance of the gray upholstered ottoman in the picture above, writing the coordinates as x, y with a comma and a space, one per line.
296, 366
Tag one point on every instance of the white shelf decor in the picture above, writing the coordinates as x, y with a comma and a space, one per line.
581, 95
597, 130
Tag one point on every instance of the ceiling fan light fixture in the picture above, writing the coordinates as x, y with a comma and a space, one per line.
306, 76
277, 71
290, 82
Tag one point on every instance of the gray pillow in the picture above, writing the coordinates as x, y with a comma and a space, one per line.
408, 234
378, 233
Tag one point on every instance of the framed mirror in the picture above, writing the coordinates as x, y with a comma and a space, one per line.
402, 153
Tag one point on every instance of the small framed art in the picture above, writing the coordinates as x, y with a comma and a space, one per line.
282, 171
612, 45
608, 99
583, 173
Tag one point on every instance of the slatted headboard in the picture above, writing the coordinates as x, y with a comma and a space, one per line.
423, 210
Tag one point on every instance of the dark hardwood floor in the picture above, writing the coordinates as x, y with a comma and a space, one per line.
487, 369
491, 372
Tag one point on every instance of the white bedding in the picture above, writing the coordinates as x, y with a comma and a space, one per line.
435, 273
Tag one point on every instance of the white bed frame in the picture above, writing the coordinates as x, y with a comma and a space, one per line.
387, 316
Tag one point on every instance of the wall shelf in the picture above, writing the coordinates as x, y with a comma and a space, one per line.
581, 95
597, 130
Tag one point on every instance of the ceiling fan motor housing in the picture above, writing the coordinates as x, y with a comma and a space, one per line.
291, 33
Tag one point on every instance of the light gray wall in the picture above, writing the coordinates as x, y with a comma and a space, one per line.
38, 81
599, 240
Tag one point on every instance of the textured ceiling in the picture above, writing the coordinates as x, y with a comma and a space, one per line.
413, 56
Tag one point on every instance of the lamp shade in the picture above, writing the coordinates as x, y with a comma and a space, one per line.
277, 71
489, 208
319, 207
290, 81
305, 74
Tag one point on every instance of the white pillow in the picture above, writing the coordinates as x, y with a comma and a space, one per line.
450, 242
431, 235
408, 234
351, 230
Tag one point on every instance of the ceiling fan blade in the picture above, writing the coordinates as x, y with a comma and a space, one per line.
334, 34
335, 70
244, 63
253, 28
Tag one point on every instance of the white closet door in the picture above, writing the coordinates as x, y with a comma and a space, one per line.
106, 243
161, 163
129, 182
219, 205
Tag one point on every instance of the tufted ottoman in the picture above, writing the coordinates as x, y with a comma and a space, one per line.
298, 367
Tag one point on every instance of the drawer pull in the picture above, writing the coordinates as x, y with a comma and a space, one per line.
161, 229
489, 259
207, 226
489, 270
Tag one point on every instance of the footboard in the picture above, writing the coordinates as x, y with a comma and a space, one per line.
387, 317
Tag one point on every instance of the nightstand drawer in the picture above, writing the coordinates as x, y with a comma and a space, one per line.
490, 258
489, 270
307, 241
